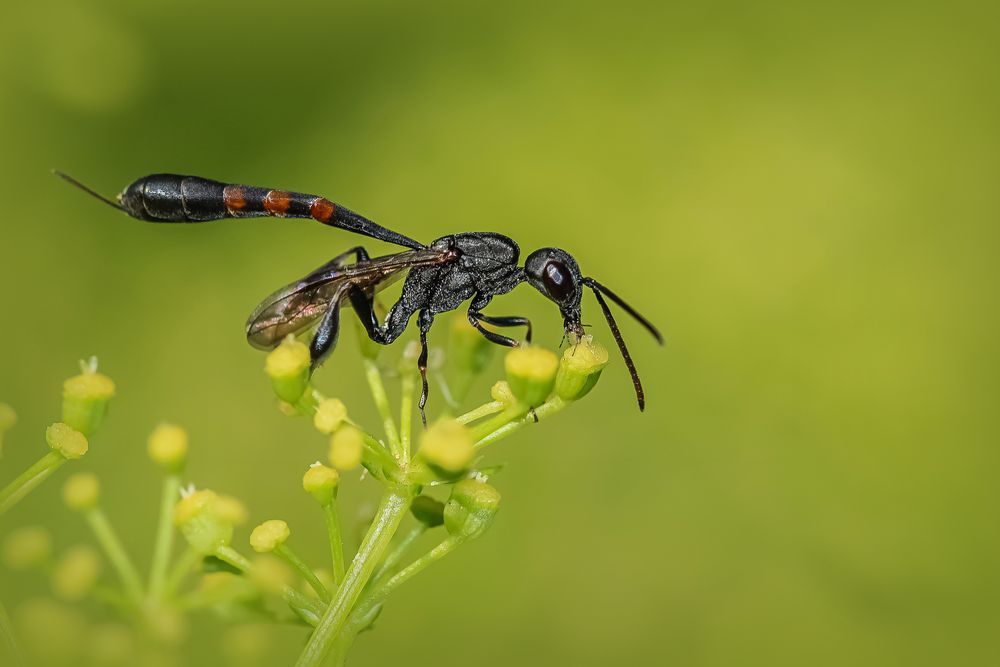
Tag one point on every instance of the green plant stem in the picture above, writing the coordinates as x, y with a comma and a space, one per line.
547, 409
116, 553
227, 554
510, 413
164, 536
295, 599
11, 648
484, 410
336, 541
395, 503
379, 595
397, 554
189, 558
24, 483
377, 387
285, 552
408, 386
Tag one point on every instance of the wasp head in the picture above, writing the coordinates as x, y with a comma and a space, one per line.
555, 273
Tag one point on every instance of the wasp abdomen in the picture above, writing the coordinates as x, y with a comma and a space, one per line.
173, 198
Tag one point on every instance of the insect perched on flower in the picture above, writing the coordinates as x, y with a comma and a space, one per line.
442, 275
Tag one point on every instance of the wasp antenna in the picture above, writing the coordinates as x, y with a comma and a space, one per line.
599, 288
640, 396
72, 181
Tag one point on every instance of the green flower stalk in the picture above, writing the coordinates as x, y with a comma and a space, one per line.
66, 444
82, 494
271, 536
322, 482
168, 448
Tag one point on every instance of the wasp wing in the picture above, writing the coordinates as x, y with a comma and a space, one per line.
295, 307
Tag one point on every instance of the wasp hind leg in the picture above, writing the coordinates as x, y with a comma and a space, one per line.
325, 337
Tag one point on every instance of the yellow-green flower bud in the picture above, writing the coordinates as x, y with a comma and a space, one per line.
471, 509
198, 519
76, 573
27, 547
468, 350
321, 482
269, 535
330, 414
85, 400
447, 446
288, 367
66, 440
428, 511
271, 574
501, 392
580, 368
346, 447
81, 491
531, 373
168, 447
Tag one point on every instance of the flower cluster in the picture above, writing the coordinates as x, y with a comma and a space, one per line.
436, 476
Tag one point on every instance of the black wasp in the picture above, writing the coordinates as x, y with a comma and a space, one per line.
442, 275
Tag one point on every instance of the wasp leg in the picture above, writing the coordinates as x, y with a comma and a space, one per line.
325, 338
476, 318
426, 319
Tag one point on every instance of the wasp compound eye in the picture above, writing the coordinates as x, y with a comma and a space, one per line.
558, 281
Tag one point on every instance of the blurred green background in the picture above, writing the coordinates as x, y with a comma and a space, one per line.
802, 195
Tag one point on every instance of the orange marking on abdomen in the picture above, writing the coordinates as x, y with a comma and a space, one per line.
234, 198
277, 202
322, 209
